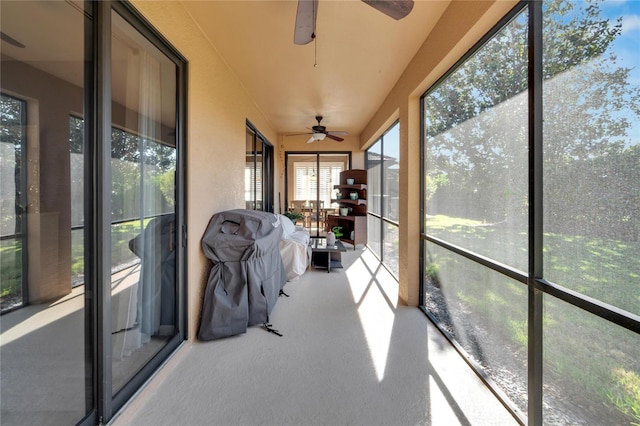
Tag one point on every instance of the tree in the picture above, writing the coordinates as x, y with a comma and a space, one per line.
477, 130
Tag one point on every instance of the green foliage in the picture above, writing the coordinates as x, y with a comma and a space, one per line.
433, 183
477, 127
10, 268
625, 394
166, 183
431, 271
294, 216
337, 231
581, 350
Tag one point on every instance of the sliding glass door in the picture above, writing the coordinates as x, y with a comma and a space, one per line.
258, 172
91, 199
143, 221
46, 353
309, 186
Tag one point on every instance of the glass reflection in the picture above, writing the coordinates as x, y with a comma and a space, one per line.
390, 248
374, 239
44, 348
143, 230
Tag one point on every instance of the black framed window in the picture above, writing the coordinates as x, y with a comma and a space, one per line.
530, 171
383, 186
258, 171
98, 164
309, 181
13, 232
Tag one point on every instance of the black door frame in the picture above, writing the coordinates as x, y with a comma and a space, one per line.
267, 169
318, 154
100, 396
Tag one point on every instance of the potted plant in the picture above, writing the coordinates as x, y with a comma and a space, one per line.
294, 216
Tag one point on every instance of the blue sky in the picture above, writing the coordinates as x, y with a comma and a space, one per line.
627, 45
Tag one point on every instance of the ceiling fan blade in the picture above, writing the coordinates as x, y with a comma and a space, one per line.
305, 21
311, 139
335, 138
338, 132
397, 9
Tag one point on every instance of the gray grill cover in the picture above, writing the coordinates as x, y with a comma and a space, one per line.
247, 273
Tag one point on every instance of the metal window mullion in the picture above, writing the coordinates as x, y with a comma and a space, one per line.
423, 178
90, 306
535, 267
382, 192
101, 206
24, 232
182, 308
317, 194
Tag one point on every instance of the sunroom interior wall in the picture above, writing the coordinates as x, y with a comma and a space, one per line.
460, 26
217, 110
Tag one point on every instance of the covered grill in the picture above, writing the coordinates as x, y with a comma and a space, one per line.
247, 273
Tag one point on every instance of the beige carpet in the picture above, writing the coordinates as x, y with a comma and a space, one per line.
348, 356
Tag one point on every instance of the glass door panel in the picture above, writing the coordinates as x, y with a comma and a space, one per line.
258, 174
310, 180
143, 223
250, 173
12, 202
45, 340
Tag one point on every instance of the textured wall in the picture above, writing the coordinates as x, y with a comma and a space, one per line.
217, 110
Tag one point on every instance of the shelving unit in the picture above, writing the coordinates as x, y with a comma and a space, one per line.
354, 224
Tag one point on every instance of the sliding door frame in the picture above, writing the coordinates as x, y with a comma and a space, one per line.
98, 209
317, 154
267, 162
536, 285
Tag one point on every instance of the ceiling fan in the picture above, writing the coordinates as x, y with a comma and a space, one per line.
305, 30
319, 132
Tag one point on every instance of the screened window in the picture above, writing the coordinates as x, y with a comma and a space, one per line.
383, 183
529, 232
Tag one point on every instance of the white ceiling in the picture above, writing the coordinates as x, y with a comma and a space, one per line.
361, 53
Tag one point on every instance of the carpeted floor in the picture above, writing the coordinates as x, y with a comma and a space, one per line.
348, 356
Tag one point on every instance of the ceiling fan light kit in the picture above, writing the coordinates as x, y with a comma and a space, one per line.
319, 132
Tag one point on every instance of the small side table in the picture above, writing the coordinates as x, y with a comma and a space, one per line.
333, 257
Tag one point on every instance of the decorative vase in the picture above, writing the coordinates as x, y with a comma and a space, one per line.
353, 195
344, 211
350, 181
331, 238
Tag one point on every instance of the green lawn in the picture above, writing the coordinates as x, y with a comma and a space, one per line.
10, 268
11, 255
587, 359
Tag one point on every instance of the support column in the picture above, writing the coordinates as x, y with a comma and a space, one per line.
409, 248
